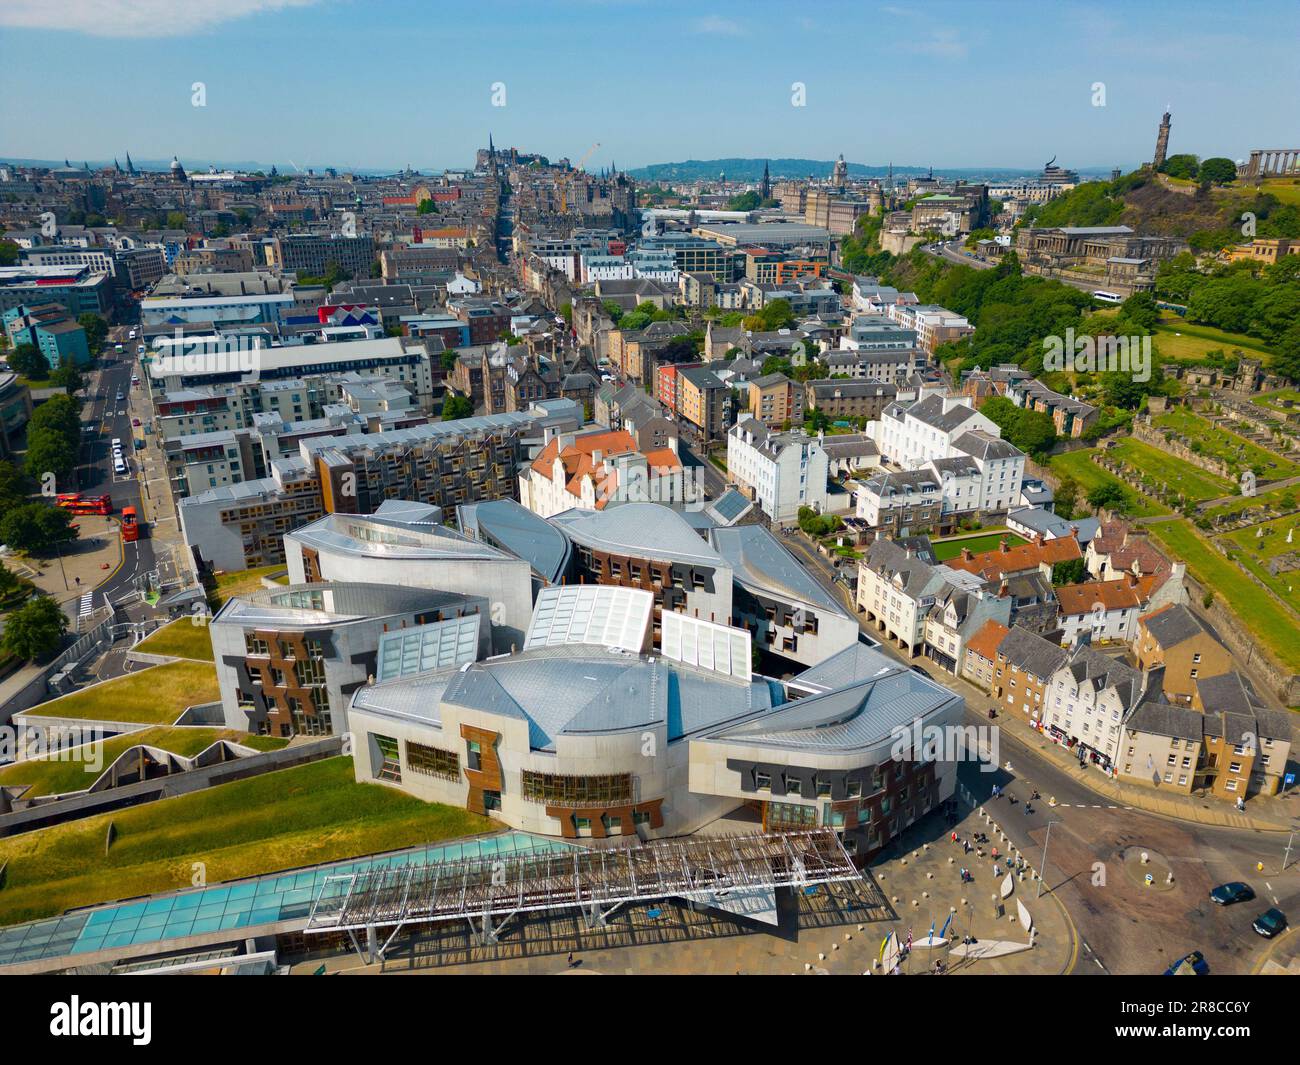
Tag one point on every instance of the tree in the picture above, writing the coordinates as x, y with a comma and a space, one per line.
1121, 390
28, 360
426, 207
36, 527
1066, 497
1218, 170
1031, 431
448, 359
1183, 166
8, 253
59, 414
48, 453
34, 630
456, 406
96, 331
1069, 572
69, 377
775, 315
1108, 497
1140, 309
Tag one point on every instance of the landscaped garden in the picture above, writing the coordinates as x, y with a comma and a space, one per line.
180, 639
281, 820
59, 773
156, 695
953, 546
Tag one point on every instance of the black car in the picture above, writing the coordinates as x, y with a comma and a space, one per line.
1270, 923
1227, 894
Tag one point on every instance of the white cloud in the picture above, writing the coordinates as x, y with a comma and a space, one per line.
718, 25
941, 44
133, 18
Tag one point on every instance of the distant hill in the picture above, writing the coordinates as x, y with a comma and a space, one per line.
752, 170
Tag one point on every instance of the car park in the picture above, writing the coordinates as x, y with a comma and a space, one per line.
1270, 923
1235, 891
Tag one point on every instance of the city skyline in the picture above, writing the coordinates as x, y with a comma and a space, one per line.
210, 78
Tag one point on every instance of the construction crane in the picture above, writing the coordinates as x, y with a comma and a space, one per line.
590, 152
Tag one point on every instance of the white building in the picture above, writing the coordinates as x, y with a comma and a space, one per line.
942, 427
590, 471
1087, 701
782, 471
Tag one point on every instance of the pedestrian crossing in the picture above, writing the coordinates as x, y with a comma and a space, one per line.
87, 605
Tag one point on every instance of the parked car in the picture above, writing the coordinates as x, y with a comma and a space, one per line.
1193, 964
1270, 923
1227, 894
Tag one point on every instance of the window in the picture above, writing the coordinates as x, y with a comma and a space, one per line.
474, 761
586, 791
390, 762
431, 761
491, 801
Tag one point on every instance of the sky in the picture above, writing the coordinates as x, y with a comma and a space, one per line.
379, 84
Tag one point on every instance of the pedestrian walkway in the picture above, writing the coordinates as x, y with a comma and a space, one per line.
1263, 813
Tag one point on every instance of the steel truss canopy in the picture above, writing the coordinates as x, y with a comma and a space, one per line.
697, 866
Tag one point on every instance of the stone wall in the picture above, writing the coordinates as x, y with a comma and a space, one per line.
1150, 434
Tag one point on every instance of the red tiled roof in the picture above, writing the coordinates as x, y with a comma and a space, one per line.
985, 642
992, 565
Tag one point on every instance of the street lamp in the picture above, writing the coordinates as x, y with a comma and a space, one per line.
1042, 872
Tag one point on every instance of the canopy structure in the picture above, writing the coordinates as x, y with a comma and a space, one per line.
597, 881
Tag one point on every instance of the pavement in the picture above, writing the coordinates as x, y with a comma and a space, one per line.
914, 882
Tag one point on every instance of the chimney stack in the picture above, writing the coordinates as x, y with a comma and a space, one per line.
1004, 546
967, 555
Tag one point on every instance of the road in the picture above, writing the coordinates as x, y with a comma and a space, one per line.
940, 251
110, 418
1124, 925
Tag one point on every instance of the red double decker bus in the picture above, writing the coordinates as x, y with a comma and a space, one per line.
79, 504
130, 527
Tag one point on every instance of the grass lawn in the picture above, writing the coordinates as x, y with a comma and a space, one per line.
1273, 400
1283, 498
301, 816
1172, 472
1274, 626
946, 549
181, 639
1183, 341
263, 743
1079, 466
1255, 552
241, 582
1228, 446
1285, 189
153, 696
49, 776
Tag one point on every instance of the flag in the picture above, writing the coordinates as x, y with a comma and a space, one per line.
931, 930
944, 930
909, 937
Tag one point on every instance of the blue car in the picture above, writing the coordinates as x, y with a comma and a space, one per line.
1194, 964
1270, 923
1227, 894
